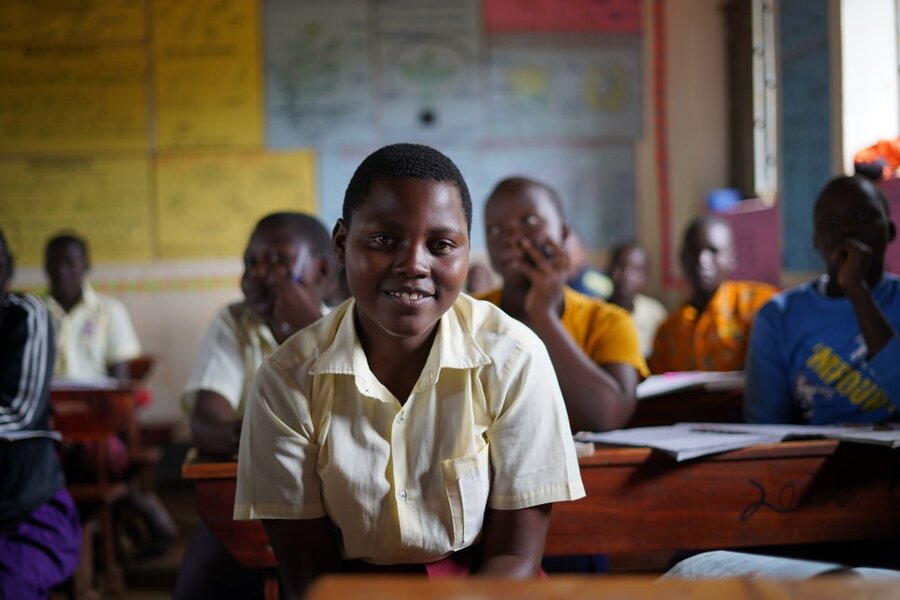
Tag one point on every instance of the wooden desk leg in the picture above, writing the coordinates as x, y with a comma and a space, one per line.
270, 585
112, 572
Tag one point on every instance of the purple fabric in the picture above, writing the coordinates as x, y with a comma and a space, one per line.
41, 551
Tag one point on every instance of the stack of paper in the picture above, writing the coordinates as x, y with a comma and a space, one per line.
684, 441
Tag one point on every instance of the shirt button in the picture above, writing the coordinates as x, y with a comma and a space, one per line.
402, 496
400, 417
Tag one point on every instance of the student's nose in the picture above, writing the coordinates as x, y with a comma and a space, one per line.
412, 261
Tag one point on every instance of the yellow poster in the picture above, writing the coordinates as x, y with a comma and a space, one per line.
208, 203
207, 73
65, 99
78, 21
106, 200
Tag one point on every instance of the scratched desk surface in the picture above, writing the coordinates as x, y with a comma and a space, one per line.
639, 500
786, 493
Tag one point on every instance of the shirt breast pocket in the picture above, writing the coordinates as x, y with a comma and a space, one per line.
467, 481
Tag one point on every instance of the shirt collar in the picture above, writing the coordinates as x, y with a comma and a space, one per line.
88, 298
251, 321
453, 348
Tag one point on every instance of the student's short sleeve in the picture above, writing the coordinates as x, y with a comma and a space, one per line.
767, 393
277, 460
532, 454
219, 366
613, 338
122, 343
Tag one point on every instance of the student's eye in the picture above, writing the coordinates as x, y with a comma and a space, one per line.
274, 258
531, 220
382, 239
493, 230
441, 246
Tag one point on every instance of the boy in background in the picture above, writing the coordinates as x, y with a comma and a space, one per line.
593, 345
289, 268
413, 427
828, 352
628, 270
94, 334
710, 331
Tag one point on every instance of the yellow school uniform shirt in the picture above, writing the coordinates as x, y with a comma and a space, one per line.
716, 339
485, 425
604, 331
95, 334
236, 343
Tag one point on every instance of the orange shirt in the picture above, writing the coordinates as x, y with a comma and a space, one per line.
604, 331
714, 340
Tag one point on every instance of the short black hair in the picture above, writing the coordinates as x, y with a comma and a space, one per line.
62, 240
304, 226
397, 161
519, 183
702, 221
844, 185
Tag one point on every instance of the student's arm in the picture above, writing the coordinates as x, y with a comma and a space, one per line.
215, 425
304, 549
513, 541
767, 391
28, 349
598, 397
851, 262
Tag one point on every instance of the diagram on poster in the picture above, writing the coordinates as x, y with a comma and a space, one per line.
429, 56
318, 88
564, 90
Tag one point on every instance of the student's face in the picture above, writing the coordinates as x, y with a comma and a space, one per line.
406, 254
708, 257
516, 213
857, 215
66, 267
274, 256
629, 273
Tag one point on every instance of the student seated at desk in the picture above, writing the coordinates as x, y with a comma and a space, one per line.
40, 535
289, 268
828, 351
593, 344
710, 331
628, 270
94, 334
413, 424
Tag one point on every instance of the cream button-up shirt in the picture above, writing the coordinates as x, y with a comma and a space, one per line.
95, 334
235, 344
485, 426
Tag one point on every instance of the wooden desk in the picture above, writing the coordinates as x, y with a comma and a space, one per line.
569, 588
640, 500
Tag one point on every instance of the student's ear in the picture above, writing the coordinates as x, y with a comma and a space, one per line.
339, 240
892, 231
565, 234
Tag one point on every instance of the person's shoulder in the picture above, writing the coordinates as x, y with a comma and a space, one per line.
308, 343
755, 288
107, 302
802, 298
23, 306
488, 325
584, 307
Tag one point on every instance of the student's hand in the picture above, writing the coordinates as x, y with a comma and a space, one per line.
546, 267
850, 265
297, 304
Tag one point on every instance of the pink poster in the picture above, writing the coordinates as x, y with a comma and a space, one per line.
891, 189
757, 239
610, 16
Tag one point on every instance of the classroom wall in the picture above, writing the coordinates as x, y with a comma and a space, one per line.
173, 300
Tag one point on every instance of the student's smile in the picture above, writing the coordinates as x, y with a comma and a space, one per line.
406, 253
